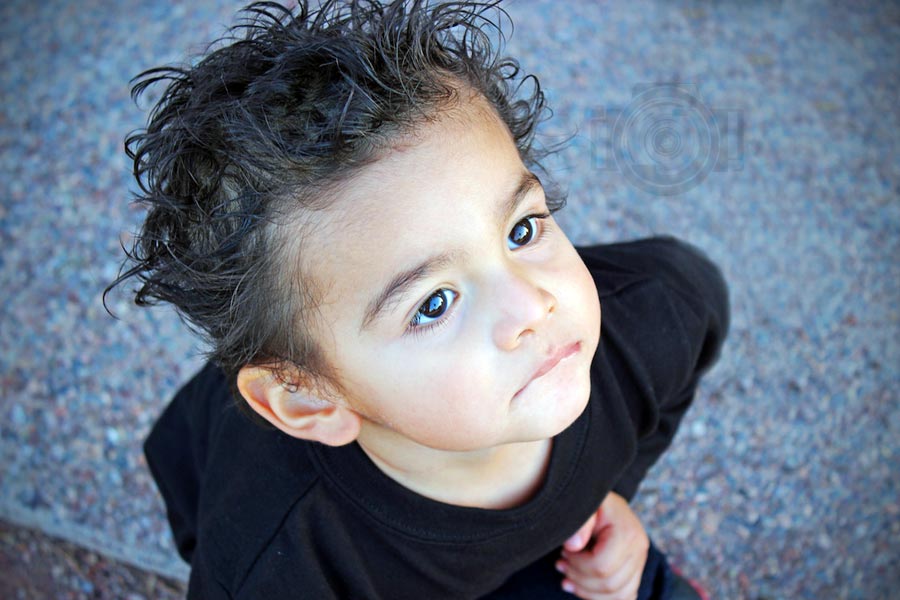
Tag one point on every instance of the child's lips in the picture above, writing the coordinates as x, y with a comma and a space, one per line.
554, 359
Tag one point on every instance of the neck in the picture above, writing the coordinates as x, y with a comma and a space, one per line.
493, 478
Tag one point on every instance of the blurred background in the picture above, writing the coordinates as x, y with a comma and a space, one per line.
766, 133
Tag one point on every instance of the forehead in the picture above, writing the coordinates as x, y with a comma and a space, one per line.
440, 152
421, 197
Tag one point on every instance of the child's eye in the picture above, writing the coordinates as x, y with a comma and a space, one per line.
524, 232
433, 307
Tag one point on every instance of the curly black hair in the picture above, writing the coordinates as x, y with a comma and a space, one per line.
252, 136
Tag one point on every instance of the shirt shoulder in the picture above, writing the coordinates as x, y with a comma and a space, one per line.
245, 480
680, 266
664, 312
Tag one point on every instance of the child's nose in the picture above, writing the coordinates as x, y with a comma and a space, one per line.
524, 306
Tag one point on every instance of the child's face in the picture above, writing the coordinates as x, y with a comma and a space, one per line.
486, 297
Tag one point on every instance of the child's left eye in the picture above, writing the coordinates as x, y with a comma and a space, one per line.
524, 232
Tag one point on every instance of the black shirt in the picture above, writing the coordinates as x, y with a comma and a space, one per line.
259, 514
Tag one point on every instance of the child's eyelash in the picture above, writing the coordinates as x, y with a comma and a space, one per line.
542, 217
418, 330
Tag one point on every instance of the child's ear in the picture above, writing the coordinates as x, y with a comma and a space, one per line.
300, 413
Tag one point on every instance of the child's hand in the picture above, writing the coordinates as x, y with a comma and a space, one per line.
612, 568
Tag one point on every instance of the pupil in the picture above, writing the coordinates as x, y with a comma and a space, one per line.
522, 232
434, 306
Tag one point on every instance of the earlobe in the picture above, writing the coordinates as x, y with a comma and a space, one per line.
299, 413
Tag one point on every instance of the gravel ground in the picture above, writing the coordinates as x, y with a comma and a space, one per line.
34, 566
772, 127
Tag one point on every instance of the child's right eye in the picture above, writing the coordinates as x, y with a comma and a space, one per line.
433, 308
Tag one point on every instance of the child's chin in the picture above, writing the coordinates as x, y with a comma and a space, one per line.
568, 411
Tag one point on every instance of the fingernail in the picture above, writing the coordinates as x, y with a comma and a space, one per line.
560, 566
568, 586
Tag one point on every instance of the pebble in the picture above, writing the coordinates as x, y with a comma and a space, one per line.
112, 436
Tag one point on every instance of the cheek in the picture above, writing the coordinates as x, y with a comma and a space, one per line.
454, 411
460, 380
587, 290
583, 298
463, 394
419, 385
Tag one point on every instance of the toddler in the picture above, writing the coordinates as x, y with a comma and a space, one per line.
440, 397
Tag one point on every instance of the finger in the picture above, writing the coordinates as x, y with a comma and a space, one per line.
618, 583
582, 566
580, 592
604, 564
629, 590
611, 551
580, 538
627, 579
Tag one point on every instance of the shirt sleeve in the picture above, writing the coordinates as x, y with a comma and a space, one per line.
176, 452
662, 335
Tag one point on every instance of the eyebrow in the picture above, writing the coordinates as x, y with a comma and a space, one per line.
406, 279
